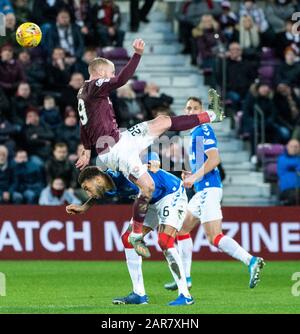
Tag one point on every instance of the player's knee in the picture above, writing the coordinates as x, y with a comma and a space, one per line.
148, 190
164, 122
165, 241
125, 241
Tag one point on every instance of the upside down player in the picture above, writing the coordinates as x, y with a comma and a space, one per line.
121, 151
166, 211
205, 206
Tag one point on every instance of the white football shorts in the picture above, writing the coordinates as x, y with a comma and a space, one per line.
170, 210
206, 204
124, 156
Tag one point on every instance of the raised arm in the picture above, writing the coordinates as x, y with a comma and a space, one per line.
128, 71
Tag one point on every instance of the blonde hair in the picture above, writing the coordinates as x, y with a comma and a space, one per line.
97, 62
199, 30
248, 37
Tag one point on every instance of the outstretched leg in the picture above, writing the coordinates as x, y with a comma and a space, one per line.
140, 208
166, 239
214, 114
228, 245
185, 249
134, 265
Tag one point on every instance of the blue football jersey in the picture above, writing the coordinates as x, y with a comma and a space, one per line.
165, 184
202, 140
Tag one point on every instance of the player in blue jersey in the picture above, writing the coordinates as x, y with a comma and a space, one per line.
205, 206
166, 211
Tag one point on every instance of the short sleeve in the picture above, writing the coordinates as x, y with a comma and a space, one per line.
209, 138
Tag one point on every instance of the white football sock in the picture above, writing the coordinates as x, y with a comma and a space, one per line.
185, 250
134, 265
232, 248
176, 268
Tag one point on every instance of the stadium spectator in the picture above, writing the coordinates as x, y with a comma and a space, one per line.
22, 11
60, 166
66, 35
189, 15
289, 174
7, 180
50, 113
129, 109
69, 93
227, 16
21, 102
261, 96
106, 21
69, 132
81, 14
29, 177
288, 105
10, 32
237, 85
45, 11
7, 132
249, 38
38, 137
34, 70
139, 14
207, 40
82, 64
56, 194
287, 38
153, 99
289, 71
277, 12
11, 73
250, 8
6, 7
228, 21
58, 72
73, 157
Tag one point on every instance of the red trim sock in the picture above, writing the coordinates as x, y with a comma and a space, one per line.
186, 122
217, 239
183, 237
165, 241
124, 238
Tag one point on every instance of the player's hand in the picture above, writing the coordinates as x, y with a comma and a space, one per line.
153, 166
189, 181
185, 174
139, 46
74, 209
84, 159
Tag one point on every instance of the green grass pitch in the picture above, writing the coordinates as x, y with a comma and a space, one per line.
89, 287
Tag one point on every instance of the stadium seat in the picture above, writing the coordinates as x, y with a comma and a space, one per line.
138, 86
115, 54
267, 155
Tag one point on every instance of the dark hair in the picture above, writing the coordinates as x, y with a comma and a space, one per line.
63, 10
90, 172
60, 145
196, 99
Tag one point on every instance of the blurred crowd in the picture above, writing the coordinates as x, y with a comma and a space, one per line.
250, 51
39, 127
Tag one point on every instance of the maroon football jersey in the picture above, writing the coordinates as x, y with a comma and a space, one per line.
97, 117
